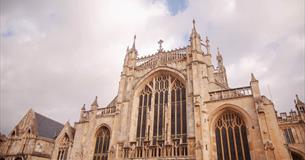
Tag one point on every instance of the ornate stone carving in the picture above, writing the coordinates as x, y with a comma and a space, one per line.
268, 145
198, 145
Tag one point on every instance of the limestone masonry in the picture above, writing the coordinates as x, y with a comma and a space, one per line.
170, 105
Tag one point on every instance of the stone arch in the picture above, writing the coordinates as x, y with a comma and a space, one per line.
296, 154
145, 78
216, 113
219, 110
174, 81
102, 142
63, 145
100, 126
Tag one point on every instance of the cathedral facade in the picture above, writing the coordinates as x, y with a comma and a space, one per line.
170, 105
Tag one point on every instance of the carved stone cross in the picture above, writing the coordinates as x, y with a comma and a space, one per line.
160, 45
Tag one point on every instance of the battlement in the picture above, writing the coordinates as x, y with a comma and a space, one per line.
285, 117
230, 93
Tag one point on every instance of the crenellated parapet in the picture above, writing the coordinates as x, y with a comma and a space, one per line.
290, 117
97, 112
230, 93
162, 58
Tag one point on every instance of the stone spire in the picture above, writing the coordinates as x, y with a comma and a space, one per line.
194, 32
297, 100
207, 45
160, 45
130, 56
195, 39
134, 42
219, 58
94, 105
194, 26
253, 78
255, 86
83, 108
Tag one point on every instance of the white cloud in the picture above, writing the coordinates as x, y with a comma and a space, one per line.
63, 53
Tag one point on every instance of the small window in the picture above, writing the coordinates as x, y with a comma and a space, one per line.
283, 115
288, 136
13, 133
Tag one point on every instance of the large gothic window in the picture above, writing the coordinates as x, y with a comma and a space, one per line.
102, 144
231, 137
144, 103
63, 148
163, 101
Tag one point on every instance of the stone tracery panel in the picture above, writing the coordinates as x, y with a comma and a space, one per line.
231, 137
163, 99
63, 148
102, 144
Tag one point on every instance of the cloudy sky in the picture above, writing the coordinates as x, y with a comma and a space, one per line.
57, 55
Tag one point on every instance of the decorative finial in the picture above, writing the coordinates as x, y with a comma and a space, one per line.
207, 41
194, 24
218, 51
297, 100
134, 42
160, 45
83, 108
253, 78
94, 102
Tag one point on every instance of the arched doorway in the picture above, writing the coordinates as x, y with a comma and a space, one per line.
102, 144
231, 137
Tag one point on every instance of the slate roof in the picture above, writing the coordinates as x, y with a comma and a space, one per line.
112, 103
47, 127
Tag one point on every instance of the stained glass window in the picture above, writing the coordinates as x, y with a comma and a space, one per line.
231, 137
165, 94
102, 144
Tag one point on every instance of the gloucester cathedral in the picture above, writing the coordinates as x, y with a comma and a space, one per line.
173, 104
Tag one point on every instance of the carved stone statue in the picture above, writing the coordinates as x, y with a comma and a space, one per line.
268, 145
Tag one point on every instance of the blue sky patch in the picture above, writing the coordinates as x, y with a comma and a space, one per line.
8, 33
176, 6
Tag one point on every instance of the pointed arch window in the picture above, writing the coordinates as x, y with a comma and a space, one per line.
102, 144
144, 105
163, 95
231, 137
63, 148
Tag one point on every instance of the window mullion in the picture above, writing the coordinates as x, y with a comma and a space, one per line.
222, 144
242, 142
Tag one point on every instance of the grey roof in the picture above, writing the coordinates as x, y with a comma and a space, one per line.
47, 127
112, 103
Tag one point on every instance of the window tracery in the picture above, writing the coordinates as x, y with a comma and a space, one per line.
102, 144
231, 137
163, 95
63, 148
